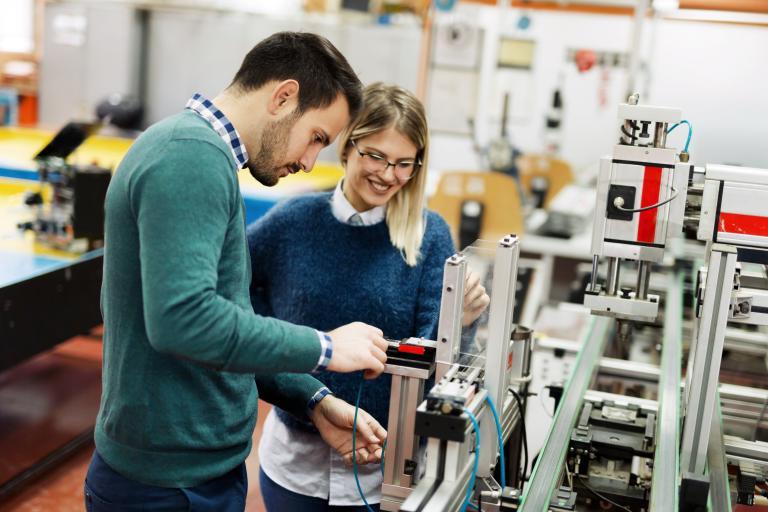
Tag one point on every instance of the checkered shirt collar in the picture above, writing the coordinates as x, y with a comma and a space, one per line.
205, 108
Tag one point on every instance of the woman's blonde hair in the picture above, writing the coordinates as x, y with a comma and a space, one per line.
391, 106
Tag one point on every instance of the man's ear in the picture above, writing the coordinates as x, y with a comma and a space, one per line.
284, 97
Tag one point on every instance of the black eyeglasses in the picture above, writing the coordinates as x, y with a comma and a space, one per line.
403, 169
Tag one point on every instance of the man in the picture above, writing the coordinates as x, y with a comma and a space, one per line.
181, 342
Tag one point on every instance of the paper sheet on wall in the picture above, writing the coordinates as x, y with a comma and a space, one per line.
457, 45
452, 100
69, 29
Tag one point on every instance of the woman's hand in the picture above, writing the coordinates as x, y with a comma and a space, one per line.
334, 417
475, 298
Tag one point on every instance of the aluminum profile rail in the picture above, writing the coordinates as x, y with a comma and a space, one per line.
666, 460
719, 490
549, 467
742, 449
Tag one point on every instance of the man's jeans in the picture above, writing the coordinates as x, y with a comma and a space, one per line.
107, 490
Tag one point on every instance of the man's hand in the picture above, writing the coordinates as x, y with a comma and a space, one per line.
358, 346
334, 417
475, 299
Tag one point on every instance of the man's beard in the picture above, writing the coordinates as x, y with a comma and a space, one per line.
267, 165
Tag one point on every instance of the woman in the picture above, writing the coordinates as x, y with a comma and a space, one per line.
367, 252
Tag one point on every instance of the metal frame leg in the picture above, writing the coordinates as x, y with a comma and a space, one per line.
402, 442
705, 369
497, 363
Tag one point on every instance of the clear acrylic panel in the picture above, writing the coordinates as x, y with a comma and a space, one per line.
480, 258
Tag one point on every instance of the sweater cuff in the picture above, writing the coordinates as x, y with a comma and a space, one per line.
321, 393
326, 351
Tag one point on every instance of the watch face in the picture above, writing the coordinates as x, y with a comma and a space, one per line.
500, 154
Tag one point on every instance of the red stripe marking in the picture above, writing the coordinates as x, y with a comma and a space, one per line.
411, 349
646, 228
742, 224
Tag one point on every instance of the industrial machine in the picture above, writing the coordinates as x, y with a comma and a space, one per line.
625, 435
72, 219
479, 374
636, 210
668, 454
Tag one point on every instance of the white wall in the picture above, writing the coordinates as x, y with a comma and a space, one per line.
716, 73
17, 26
90, 51
221, 39
192, 47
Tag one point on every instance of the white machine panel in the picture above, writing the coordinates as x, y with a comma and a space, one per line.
741, 218
628, 308
734, 173
708, 211
650, 113
652, 185
644, 155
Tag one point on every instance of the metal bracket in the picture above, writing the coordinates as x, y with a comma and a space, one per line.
741, 306
694, 490
449, 324
619, 195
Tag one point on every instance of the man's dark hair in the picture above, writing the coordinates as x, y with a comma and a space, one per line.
321, 70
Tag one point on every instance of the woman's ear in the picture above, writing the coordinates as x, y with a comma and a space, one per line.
344, 158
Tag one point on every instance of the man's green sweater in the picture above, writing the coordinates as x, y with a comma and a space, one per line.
181, 342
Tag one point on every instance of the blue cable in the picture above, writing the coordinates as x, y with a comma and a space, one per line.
354, 452
475, 425
690, 132
383, 451
503, 471
471, 487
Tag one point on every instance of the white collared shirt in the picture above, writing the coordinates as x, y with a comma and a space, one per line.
300, 461
343, 209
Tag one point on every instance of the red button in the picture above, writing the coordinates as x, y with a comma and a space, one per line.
411, 349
